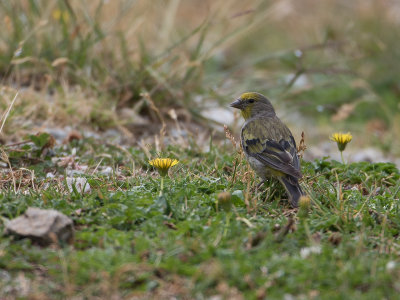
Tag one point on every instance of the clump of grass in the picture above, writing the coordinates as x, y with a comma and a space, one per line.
128, 243
105, 56
109, 50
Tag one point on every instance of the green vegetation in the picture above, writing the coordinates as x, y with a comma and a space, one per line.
131, 241
149, 74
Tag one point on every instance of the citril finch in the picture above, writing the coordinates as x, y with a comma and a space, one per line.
268, 144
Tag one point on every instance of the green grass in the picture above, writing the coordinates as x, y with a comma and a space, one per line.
130, 241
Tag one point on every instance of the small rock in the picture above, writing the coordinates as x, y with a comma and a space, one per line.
390, 265
107, 171
42, 226
50, 175
219, 114
71, 173
58, 133
305, 252
81, 184
370, 155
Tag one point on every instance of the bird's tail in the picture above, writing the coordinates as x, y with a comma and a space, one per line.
293, 189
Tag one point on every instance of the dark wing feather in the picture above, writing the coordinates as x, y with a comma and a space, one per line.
275, 148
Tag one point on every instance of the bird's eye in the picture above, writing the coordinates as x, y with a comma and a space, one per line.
251, 100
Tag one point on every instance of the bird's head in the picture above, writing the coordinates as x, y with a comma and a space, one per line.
252, 104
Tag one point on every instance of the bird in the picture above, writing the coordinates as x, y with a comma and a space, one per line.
268, 144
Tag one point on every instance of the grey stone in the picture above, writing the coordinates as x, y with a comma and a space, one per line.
42, 226
81, 184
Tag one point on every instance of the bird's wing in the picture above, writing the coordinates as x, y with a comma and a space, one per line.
270, 142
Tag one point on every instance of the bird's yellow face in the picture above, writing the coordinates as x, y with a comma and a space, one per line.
246, 102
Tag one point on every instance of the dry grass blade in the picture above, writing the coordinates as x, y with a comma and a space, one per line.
302, 145
159, 116
5, 115
230, 136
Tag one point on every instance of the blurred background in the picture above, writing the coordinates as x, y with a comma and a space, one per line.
123, 68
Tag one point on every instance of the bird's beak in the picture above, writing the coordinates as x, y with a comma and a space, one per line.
237, 104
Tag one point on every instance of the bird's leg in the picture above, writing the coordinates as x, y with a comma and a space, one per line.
260, 184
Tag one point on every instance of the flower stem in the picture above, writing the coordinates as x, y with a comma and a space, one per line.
227, 221
341, 155
162, 186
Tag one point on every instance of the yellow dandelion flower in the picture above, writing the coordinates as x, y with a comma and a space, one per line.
341, 139
163, 164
